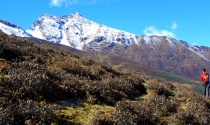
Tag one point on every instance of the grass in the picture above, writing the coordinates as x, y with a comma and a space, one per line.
85, 114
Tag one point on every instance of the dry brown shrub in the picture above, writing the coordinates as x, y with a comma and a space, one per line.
197, 111
143, 112
161, 87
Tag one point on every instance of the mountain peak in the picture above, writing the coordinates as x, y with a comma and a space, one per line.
76, 14
73, 15
44, 16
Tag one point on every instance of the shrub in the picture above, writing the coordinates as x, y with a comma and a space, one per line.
197, 112
161, 87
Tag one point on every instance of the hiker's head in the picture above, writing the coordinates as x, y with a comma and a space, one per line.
204, 70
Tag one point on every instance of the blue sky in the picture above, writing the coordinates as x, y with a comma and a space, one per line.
187, 20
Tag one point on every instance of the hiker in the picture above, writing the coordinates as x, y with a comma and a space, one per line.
204, 77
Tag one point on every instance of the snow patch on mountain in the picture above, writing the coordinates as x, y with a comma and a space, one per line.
171, 43
47, 27
10, 28
154, 41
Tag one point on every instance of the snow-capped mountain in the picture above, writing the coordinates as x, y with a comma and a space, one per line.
10, 28
76, 31
83, 34
168, 54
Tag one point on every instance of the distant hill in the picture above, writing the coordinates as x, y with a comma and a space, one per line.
41, 84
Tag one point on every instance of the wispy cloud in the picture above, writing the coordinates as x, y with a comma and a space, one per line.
151, 30
58, 3
174, 26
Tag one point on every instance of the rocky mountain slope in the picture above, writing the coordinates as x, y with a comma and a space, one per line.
167, 54
43, 85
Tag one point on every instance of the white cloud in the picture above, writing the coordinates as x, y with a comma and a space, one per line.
151, 30
174, 26
59, 3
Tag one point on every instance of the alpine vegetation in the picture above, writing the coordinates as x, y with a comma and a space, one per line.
41, 84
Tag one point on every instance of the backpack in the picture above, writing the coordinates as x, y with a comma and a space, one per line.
206, 78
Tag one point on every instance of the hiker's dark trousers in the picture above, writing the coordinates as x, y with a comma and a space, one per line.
206, 87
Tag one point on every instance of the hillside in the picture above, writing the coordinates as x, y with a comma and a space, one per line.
41, 84
119, 63
125, 64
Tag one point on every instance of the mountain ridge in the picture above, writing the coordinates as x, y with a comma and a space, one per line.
14, 29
